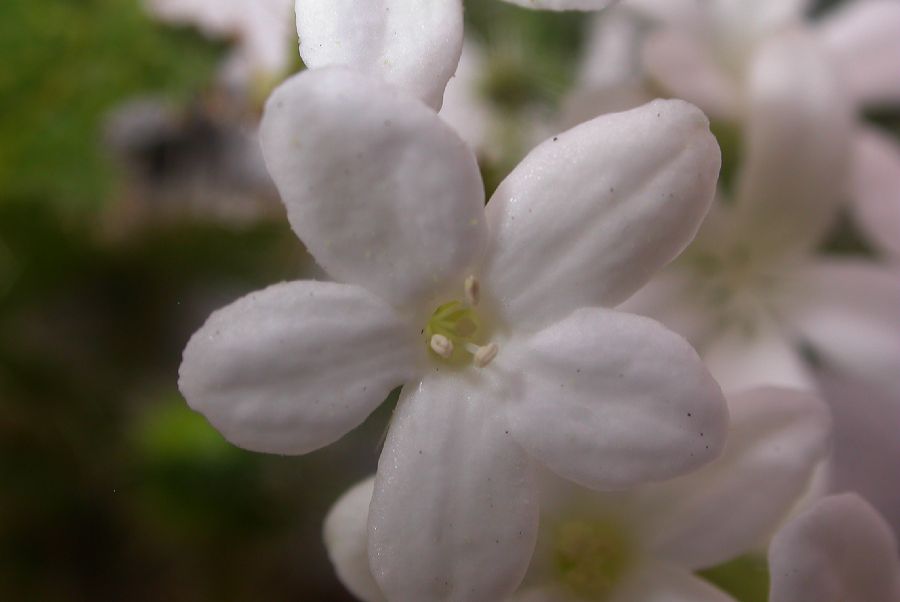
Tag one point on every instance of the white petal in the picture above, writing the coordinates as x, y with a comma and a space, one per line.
611, 76
455, 511
383, 193
591, 214
611, 57
740, 360
346, 536
686, 67
864, 41
610, 400
756, 19
679, 13
840, 550
584, 104
866, 456
659, 582
850, 317
797, 150
583, 5
875, 188
414, 45
293, 367
776, 440
465, 107
670, 298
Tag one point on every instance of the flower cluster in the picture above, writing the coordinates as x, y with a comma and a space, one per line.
549, 443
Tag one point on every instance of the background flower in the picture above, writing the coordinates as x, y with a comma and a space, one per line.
769, 293
646, 543
840, 549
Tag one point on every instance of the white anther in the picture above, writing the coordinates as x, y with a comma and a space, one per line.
473, 290
485, 355
441, 345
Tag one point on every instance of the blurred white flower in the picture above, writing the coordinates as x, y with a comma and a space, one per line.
705, 51
465, 107
611, 75
262, 30
839, 550
645, 544
753, 293
875, 188
752, 285
499, 130
494, 319
866, 441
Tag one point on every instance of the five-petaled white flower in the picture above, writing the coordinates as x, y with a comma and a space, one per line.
839, 550
644, 544
414, 45
494, 319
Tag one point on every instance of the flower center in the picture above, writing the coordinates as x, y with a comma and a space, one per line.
734, 286
454, 331
591, 557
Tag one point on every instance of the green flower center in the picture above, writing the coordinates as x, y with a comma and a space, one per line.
456, 321
591, 557
454, 332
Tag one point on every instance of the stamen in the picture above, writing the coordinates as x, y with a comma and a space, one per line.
483, 355
441, 345
473, 290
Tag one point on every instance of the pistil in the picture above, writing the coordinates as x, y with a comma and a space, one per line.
455, 326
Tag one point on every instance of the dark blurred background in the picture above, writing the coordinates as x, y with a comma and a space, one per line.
132, 203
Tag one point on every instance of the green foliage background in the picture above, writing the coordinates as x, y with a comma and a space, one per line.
65, 63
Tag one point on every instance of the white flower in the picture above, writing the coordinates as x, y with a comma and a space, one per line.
866, 443
753, 294
644, 544
415, 45
875, 188
705, 53
839, 550
261, 28
466, 107
753, 286
611, 75
496, 131
390, 203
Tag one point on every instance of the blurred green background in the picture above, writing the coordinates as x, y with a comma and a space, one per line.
113, 250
